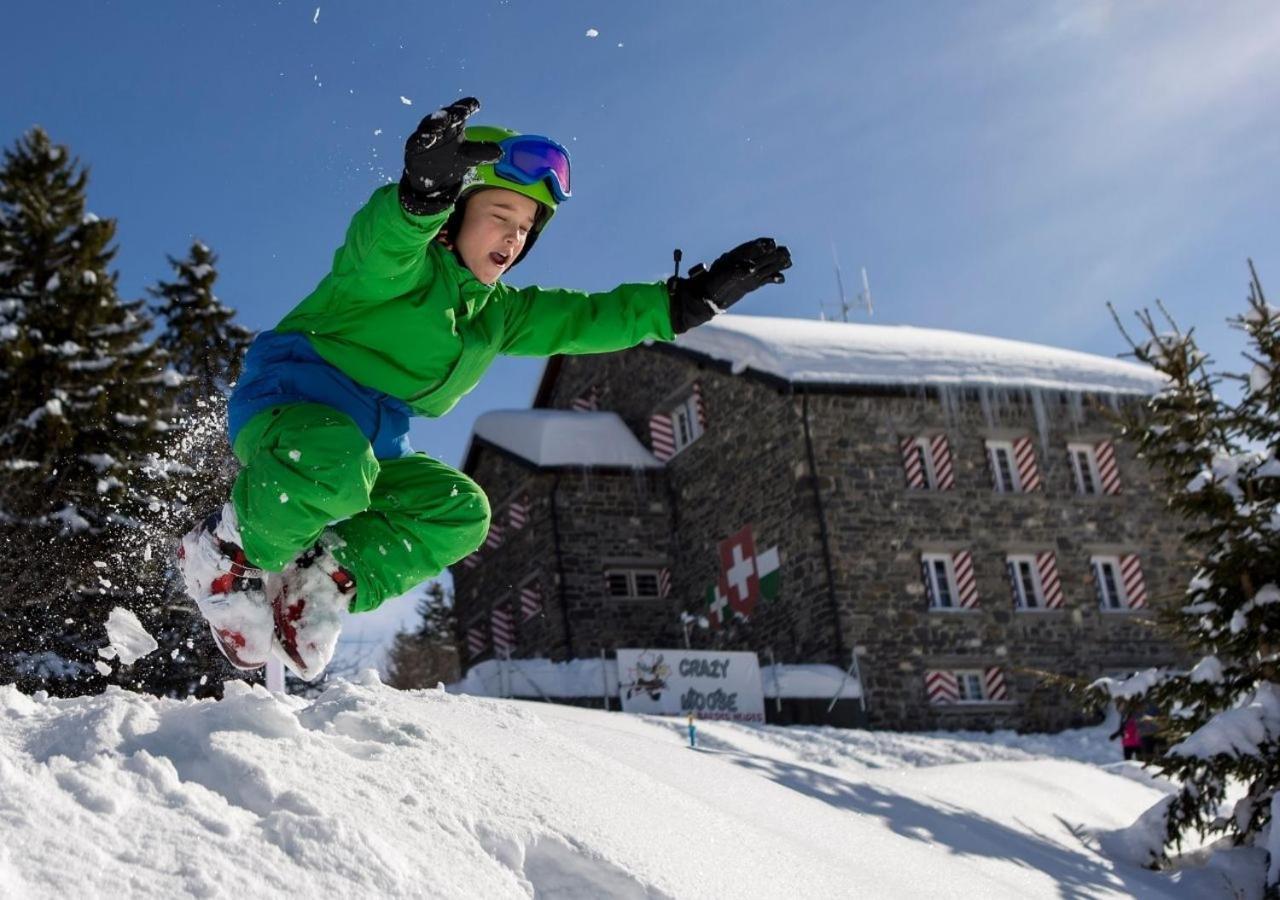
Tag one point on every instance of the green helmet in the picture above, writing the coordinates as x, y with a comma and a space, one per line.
485, 176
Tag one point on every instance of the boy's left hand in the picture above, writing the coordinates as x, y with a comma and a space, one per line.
437, 158
706, 292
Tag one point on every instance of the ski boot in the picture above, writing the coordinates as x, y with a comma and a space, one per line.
228, 590
307, 602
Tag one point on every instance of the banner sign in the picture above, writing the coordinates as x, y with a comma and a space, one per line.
711, 685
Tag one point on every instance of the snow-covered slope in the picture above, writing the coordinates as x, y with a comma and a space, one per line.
370, 792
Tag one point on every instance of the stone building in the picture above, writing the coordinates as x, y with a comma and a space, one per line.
947, 515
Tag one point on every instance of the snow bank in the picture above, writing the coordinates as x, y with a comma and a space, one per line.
543, 679
370, 792
552, 437
808, 351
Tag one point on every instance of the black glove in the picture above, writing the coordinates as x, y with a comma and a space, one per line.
437, 159
706, 292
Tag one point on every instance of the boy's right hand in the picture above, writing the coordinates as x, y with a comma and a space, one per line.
437, 159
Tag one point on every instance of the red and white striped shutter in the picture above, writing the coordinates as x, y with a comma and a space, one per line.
913, 463
966, 583
518, 513
662, 439
587, 401
940, 450
477, 640
697, 406
504, 631
993, 681
472, 559
493, 540
941, 686
1050, 583
1135, 588
1024, 454
530, 601
664, 582
1108, 471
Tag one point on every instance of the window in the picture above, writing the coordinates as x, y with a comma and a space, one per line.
947, 686
1000, 454
685, 424
1013, 466
938, 582
927, 462
949, 580
679, 426
632, 584
1118, 582
1084, 465
1025, 580
1034, 581
969, 687
1094, 467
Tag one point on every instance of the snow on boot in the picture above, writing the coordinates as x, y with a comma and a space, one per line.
307, 600
227, 589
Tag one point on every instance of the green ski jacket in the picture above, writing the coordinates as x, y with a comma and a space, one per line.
399, 314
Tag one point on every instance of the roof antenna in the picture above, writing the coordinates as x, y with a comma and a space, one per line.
840, 295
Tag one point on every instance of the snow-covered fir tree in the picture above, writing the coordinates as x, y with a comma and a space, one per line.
1218, 718
200, 336
80, 425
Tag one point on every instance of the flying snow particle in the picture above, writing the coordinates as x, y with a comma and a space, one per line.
316, 18
619, 43
454, 492
295, 455
204, 679
284, 498
377, 131
129, 640
405, 100
591, 32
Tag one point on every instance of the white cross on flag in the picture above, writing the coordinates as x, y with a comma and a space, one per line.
739, 580
717, 606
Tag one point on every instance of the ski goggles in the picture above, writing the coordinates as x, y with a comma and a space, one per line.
529, 158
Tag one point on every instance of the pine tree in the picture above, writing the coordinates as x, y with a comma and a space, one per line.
79, 425
1219, 462
429, 655
199, 337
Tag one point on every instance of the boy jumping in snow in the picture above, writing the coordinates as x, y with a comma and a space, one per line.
332, 509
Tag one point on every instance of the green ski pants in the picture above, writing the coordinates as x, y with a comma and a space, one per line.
401, 521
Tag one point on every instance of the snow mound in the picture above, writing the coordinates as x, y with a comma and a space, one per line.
552, 437
365, 791
813, 352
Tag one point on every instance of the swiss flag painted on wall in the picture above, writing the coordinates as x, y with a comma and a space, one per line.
739, 580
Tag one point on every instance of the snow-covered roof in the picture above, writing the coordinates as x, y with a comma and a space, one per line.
556, 437
807, 351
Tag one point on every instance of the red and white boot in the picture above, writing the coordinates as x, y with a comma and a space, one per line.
227, 589
307, 602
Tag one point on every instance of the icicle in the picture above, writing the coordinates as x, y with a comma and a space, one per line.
984, 400
1075, 407
1042, 417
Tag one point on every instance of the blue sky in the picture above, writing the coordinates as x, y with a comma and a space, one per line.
1000, 167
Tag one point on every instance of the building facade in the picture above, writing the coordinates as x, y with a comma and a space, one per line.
948, 516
